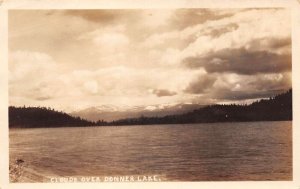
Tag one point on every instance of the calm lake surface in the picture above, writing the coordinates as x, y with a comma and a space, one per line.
191, 152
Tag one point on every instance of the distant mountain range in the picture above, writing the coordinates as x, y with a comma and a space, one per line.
276, 108
110, 113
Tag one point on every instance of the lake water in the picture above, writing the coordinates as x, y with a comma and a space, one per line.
191, 152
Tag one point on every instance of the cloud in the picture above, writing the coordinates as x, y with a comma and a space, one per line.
243, 87
121, 81
218, 31
247, 31
201, 84
33, 75
241, 61
103, 16
230, 87
139, 22
30, 64
42, 98
107, 40
271, 44
244, 95
91, 86
270, 82
183, 18
182, 38
163, 92
95, 57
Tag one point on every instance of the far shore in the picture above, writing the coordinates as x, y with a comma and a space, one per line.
18, 128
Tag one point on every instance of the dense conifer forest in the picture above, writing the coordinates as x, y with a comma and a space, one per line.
277, 108
34, 117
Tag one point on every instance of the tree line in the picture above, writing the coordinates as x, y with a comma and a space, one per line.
275, 108
34, 117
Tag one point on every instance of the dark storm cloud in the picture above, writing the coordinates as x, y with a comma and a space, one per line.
241, 61
163, 92
201, 84
183, 18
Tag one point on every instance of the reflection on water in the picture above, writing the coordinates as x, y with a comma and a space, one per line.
191, 152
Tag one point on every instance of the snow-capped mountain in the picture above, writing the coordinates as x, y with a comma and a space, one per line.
110, 112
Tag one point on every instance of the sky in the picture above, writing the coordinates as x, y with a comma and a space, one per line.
75, 59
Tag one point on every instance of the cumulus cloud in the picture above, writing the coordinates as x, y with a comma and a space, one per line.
243, 87
231, 87
32, 74
138, 57
30, 64
202, 84
36, 76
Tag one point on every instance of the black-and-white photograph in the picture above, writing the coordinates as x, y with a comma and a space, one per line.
150, 95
